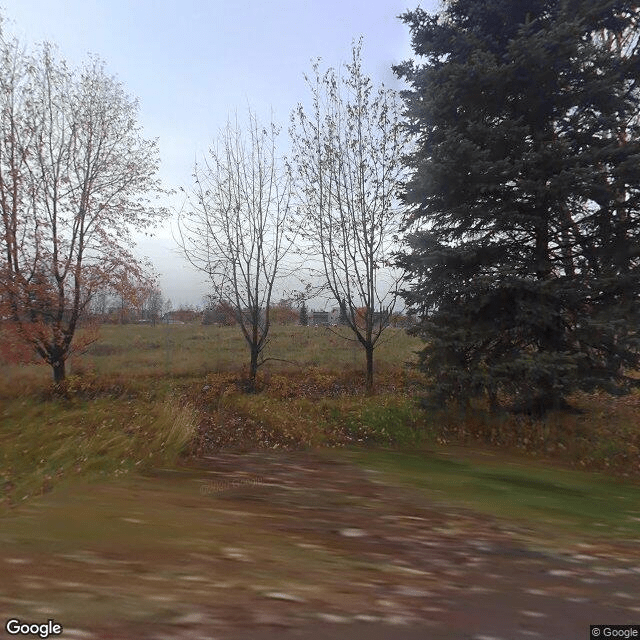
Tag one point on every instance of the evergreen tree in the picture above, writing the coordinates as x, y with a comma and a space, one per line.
344, 318
304, 315
523, 238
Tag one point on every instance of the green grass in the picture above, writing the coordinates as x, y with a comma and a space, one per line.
551, 500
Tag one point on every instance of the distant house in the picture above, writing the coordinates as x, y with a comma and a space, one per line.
171, 317
381, 318
319, 318
221, 315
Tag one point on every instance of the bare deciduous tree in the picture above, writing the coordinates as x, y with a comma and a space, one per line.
348, 153
74, 178
235, 226
154, 304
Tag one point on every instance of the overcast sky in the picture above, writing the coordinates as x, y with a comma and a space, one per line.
192, 63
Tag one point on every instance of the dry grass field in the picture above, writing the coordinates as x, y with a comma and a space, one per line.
183, 350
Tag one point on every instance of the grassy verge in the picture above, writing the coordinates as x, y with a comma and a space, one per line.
555, 503
323, 408
136, 399
48, 438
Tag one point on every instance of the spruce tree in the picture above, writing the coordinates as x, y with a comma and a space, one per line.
523, 237
304, 315
344, 318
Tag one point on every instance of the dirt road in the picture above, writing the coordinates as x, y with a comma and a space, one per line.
298, 545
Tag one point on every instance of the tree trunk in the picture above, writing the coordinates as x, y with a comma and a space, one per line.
369, 374
253, 369
58, 371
